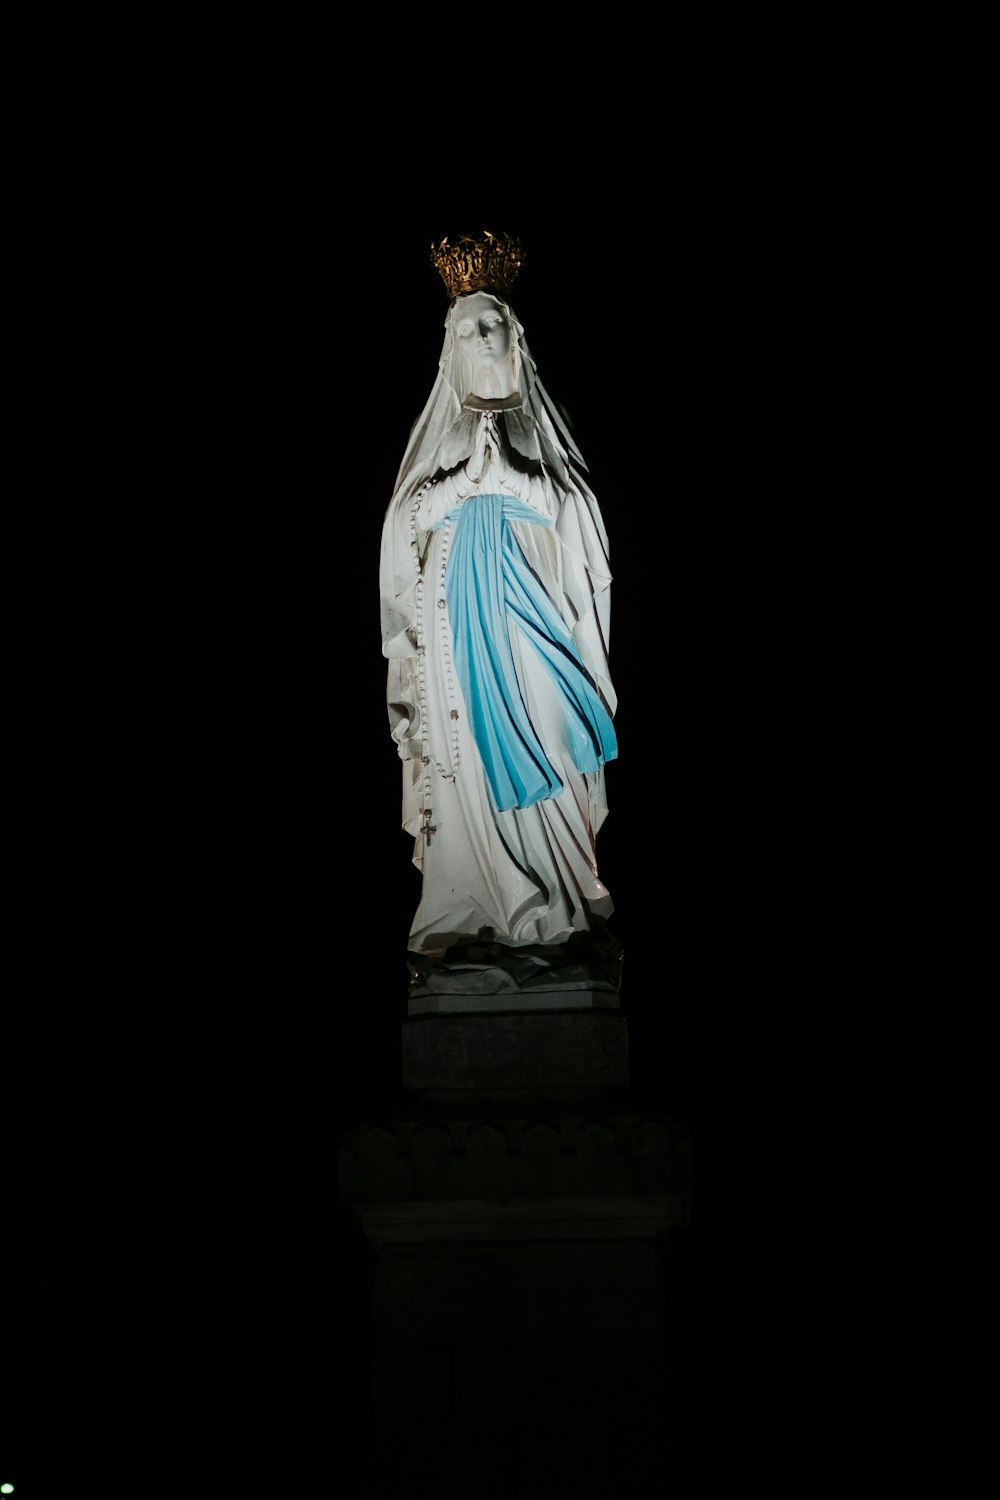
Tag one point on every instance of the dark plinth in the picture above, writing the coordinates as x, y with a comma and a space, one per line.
518, 1294
560, 1043
518, 1208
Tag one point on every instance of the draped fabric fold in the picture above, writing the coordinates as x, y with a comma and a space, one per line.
491, 589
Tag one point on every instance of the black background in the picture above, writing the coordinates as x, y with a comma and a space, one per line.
745, 266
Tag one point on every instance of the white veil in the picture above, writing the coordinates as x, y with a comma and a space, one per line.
442, 438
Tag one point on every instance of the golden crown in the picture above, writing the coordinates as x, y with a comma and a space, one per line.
488, 263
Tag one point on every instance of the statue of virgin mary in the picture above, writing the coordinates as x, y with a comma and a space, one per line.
495, 599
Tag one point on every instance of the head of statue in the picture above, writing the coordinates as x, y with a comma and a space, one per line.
485, 342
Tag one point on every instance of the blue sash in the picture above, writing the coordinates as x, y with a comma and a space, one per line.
490, 588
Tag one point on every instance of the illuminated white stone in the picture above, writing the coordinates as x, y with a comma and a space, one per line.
528, 874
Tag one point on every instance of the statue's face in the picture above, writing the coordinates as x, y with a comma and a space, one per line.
481, 330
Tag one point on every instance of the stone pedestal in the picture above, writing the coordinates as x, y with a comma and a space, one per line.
517, 1310
519, 1206
560, 1045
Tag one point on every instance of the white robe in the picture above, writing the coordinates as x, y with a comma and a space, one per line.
526, 874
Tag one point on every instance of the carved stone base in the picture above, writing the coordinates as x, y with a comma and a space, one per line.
558, 1053
518, 1308
456, 1001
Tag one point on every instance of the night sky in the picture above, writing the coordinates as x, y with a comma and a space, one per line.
737, 285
